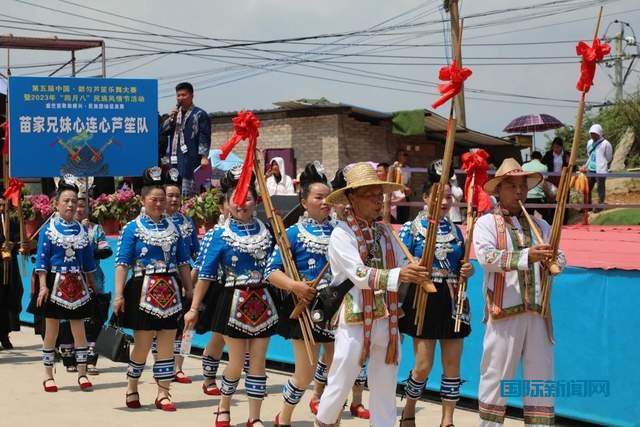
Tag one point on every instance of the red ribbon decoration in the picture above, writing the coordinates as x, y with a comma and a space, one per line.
245, 126
456, 77
13, 191
476, 163
5, 146
590, 56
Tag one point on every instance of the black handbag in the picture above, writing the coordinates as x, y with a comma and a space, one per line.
113, 343
328, 301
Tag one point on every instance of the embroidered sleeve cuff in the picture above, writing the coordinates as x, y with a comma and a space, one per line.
393, 281
38, 269
378, 278
206, 277
122, 263
90, 271
522, 259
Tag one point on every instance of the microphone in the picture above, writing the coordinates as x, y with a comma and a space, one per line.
175, 114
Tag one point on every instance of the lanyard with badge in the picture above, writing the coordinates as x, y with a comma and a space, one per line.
178, 136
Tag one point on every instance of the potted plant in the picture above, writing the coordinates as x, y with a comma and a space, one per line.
36, 208
203, 208
113, 210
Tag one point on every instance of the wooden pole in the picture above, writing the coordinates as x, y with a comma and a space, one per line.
563, 191
456, 45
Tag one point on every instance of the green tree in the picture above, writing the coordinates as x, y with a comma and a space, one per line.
614, 119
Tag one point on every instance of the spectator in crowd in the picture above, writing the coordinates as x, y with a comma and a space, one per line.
599, 155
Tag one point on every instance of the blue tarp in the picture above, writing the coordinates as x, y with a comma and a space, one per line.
595, 317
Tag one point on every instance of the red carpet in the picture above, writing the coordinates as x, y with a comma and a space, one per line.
601, 246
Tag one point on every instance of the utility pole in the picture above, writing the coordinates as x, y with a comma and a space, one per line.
454, 17
620, 43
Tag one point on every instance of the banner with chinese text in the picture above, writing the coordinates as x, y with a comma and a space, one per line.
82, 126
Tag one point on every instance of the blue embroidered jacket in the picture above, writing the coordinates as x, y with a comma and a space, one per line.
239, 250
151, 247
101, 250
197, 138
449, 243
309, 241
189, 233
64, 247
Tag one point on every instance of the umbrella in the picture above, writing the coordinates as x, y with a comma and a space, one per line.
533, 123
223, 165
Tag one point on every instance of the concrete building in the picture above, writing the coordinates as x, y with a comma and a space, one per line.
339, 134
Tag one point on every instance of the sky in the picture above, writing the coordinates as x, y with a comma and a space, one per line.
386, 56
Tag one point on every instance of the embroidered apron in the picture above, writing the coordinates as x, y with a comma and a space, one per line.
160, 295
70, 290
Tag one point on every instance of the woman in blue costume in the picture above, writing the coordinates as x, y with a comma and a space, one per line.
101, 299
246, 314
309, 239
151, 300
189, 234
440, 309
64, 259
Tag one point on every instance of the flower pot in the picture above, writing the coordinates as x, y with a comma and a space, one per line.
31, 226
111, 226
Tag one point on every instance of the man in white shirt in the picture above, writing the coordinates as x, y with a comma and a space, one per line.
364, 252
278, 182
600, 154
510, 255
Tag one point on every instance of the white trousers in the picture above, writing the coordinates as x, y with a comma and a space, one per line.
506, 342
346, 367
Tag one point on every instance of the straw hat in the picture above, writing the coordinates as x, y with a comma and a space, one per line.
511, 167
361, 175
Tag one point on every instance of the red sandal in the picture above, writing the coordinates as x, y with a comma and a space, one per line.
169, 407
49, 388
359, 411
133, 404
211, 389
250, 423
313, 405
182, 378
84, 386
276, 423
223, 423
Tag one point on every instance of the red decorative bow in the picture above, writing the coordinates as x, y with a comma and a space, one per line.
476, 163
590, 56
456, 77
5, 146
13, 191
245, 126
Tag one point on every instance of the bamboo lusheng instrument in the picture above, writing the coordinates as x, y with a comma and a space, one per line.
280, 233
301, 305
393, 175
565, 175
552, 268
455, 76
435, 201
462, 281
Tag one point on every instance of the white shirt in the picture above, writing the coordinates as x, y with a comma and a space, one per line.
346, 263
510, 261
284, 187
603, 155
557, 162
